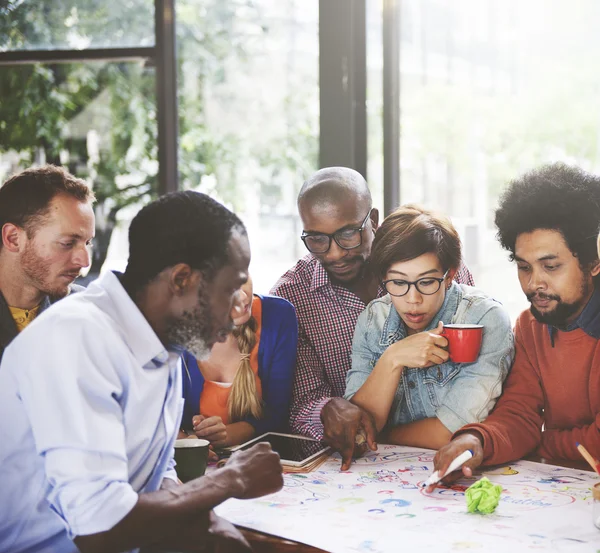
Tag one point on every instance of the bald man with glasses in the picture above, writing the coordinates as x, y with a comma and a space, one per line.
330, 288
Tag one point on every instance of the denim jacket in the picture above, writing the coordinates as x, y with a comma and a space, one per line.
455, 393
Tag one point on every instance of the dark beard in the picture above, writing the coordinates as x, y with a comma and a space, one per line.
561, 314
348, 283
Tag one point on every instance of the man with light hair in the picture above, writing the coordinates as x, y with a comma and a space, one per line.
47, 225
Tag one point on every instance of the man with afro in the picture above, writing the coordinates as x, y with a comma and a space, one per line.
548, 221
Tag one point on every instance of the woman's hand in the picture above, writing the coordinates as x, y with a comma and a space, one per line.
212, 455
420, 350
212, 429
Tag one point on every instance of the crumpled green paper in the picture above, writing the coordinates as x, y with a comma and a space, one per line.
483, 496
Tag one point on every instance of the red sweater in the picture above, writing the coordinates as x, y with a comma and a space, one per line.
557, 387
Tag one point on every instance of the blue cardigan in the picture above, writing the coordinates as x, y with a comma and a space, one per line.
276, 364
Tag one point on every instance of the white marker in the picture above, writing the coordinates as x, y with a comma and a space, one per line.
456, 464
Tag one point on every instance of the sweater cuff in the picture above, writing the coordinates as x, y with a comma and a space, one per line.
478, 429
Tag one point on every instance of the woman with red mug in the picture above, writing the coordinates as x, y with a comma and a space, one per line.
421, 381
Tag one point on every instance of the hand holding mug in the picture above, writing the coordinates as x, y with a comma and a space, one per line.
420, 350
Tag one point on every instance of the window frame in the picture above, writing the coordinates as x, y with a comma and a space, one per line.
161, 56
342, 87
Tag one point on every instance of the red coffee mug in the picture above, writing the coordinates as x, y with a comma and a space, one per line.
464, 341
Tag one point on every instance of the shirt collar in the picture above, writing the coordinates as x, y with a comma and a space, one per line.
320, 277
588, 320
139, 335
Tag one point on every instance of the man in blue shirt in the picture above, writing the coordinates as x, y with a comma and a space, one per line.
90, 397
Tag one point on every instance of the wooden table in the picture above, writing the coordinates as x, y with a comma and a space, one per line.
266, 543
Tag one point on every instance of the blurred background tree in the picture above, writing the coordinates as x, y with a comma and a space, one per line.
99, 119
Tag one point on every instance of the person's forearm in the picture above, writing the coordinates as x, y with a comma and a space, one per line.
429, 433
238, 433
168, 483
376, 395
164, 518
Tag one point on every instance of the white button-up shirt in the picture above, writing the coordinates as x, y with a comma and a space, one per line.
90, 404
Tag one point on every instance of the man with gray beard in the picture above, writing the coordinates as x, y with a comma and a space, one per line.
90, 398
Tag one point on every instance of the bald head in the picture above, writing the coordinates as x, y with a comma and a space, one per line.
332, 186
337, 200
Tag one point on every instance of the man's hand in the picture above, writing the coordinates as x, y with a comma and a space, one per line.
447, 454
343, 422
257, 471
421, 350
212, 429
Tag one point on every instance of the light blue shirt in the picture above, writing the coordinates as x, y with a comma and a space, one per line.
455, 393
90, 405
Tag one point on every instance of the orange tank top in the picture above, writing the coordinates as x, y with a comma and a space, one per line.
214, 396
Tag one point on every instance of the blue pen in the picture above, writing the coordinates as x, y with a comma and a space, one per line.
456, 464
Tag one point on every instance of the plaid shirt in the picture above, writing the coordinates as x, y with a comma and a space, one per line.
327, 316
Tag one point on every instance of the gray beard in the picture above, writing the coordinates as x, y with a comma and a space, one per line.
199, 349
193, 331
187, 337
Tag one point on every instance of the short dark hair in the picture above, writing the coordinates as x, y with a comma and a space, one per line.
180, 227
25, 197
554, 197
412, 231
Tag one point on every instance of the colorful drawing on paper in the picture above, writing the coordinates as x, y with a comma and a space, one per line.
378, 504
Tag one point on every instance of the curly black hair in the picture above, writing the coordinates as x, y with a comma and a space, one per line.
557, 197
180, 227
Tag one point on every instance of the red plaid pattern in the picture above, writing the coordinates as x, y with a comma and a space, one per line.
327, 316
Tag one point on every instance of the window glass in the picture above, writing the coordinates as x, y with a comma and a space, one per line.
375, 101
489, 90
96, 119
249, 116
75, 24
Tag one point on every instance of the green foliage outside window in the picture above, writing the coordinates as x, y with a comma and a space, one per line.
47, 110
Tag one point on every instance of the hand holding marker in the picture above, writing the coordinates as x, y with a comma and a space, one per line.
454, 465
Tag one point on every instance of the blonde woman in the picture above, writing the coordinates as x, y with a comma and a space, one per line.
243, 389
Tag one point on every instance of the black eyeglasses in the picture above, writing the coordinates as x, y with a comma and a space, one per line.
426, 285
347, 239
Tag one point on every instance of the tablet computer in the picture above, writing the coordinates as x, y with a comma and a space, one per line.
295, 451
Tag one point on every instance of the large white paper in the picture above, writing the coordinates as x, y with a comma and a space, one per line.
378, 507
